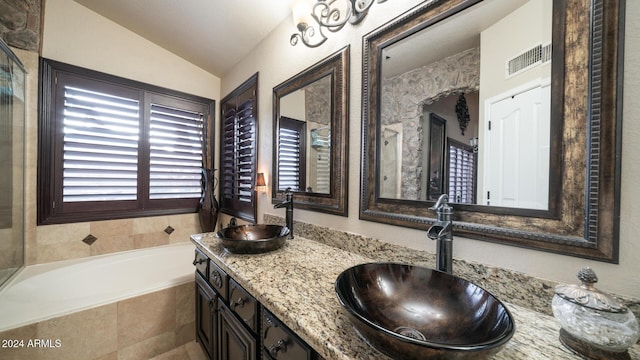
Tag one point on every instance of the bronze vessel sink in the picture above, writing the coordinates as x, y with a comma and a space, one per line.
253, 239
412, 312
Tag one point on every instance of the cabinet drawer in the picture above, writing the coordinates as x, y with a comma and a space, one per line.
218, 279
244, 305
280, 343
201, 261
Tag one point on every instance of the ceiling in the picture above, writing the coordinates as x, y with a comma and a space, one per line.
212, 34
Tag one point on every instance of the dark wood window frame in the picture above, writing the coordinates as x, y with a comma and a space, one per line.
52, 209
238, 151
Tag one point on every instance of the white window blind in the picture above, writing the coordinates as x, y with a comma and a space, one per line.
100, 146
461, 174
289, 159
175, 153
291, 154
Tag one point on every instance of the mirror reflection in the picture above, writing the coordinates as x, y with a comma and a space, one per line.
469, 115
304, 147
310, 136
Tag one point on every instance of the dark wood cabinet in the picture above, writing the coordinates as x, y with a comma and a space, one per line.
280, 343
232, 325
206, 317
236, 342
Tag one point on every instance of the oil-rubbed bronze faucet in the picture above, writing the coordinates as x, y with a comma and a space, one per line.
287, 203
441, 231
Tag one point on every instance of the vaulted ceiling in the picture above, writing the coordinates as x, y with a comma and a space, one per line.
212, 34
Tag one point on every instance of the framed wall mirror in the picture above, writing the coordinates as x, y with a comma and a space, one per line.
527, 94
310, 136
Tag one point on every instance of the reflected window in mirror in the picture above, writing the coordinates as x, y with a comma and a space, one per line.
292, 154
461, 169
310, 136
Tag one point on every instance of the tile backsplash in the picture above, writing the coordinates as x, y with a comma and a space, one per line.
65, 241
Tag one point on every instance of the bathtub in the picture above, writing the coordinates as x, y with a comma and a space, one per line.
44, 291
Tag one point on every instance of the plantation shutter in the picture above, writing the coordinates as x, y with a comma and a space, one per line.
238, 153
462, 168
113, 148
175, 152
100, 159
291, 154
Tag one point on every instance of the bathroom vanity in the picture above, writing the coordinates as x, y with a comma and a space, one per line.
232, 324
293, 288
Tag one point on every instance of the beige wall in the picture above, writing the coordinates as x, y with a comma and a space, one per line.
78, 36
277, 61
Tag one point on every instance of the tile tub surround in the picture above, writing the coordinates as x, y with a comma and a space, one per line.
515, 287
137, 328
296, 283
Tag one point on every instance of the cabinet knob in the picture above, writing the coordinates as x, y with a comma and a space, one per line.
197, 261
239, 302
281, 345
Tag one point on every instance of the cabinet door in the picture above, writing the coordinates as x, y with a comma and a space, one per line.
236, 341
206, 316
244, 305
280, 343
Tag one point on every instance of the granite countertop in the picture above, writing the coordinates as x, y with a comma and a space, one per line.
296, 283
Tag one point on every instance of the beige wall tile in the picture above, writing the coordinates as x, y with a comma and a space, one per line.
186, 223
141, 241
146, 316
148, 348
63, 233
112, 228
110, 356
195, 351
83, 335
63, 251
179, 353
111, 244
150, 224
22, 334
185, 333
185, 303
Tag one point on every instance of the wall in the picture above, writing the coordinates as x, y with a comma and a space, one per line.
78, 36
277, 61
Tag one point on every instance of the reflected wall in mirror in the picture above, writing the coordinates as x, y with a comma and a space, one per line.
527, 92
12, 127
310, 136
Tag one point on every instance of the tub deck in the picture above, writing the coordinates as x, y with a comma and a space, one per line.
43, 291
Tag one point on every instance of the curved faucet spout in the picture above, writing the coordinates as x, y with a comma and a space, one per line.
442, 201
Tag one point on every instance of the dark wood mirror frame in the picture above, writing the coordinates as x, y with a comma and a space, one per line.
336, 65
586, 113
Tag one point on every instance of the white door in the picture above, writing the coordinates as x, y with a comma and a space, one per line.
516, 154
